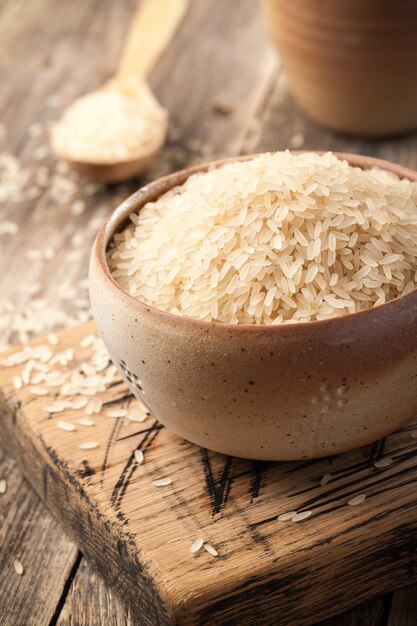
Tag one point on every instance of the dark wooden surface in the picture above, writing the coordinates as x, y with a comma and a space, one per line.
220, 54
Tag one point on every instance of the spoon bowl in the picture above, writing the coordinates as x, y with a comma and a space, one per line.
113, 172
107, 169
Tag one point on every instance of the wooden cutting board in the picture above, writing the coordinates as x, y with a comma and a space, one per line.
139, 535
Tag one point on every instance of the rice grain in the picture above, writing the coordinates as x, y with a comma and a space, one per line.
326, 479
88, 445
139, 456
284, 517
197, 545
383, 463
277, 239
209, 548
301, 516
162, 482
85, 421
357, 499
63, 425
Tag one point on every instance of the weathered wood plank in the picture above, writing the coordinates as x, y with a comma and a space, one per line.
30, 534
91, 602
404, 607
370, 613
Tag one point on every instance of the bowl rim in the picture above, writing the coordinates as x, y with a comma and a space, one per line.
151, 191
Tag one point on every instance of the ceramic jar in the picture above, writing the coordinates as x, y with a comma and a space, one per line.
351, 64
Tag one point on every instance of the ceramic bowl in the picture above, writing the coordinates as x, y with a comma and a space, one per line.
351, 64
263, 392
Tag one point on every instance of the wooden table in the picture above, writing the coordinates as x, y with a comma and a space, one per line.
227, 95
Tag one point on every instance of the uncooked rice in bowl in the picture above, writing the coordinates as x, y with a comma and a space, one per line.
280, 238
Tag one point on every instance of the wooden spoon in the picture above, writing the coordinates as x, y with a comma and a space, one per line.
152, 27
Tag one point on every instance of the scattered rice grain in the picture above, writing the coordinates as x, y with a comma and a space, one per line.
8, 228
197, 545
53, 339
357, 499
17, 382
162, 482
78, 403
78, 208
326, 479
301, 516
297, 140
383, 462
209, 548
88, 445
65, 425
139, 456
55, 407
38, 391
284, 517
87, 341
85, 421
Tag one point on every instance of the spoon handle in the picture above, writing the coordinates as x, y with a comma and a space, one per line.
152, 27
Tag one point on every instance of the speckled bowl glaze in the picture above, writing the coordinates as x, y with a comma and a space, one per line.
277, 393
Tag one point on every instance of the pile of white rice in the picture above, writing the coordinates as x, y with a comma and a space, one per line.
108, 125
280, 238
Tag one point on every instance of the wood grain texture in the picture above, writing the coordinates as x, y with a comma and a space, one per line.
271, 571
372, 613
28, 533
403, 610
91, 603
